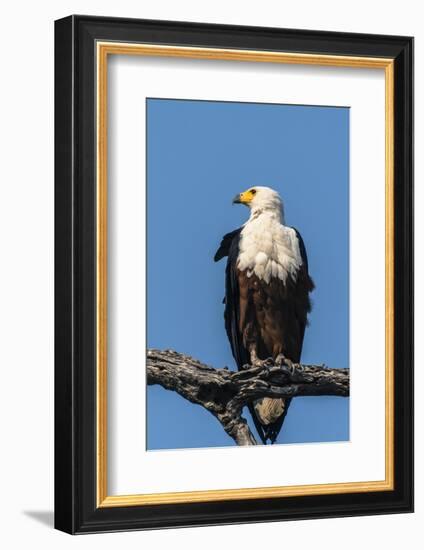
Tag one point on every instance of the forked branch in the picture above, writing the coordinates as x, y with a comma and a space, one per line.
224, 393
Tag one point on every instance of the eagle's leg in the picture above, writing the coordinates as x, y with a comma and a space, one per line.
255, 361
281, 360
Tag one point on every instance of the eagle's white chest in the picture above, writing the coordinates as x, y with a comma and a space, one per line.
269, 249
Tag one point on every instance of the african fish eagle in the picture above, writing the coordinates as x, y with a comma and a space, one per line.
267, 287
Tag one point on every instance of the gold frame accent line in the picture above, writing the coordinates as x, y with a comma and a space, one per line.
101, 288
119, 48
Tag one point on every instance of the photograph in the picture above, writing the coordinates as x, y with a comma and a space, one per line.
247, 259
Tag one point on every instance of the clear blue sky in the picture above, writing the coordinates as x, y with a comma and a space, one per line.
199, 155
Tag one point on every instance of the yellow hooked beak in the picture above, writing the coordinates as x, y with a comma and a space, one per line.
244, 198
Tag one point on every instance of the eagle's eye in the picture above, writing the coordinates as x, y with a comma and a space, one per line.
253, 191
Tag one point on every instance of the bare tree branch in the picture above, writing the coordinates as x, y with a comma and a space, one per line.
224, 393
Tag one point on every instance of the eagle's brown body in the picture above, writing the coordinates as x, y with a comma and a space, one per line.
267, 300
273, 316
272, 324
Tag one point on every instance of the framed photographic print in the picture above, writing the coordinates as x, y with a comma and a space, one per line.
234, 273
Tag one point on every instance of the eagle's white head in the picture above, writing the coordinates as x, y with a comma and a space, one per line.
261, 199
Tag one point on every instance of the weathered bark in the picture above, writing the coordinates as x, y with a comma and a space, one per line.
224, 393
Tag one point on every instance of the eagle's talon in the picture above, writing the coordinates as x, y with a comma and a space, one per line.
262, 363
258, 363
281, 361
291, 366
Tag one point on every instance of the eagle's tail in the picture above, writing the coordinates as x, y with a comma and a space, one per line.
268, 415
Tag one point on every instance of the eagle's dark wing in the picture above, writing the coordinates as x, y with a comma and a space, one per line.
302, 249
230, 247
227, 240
306, 285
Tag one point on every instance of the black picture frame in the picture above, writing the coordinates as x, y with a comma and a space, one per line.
76, 510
